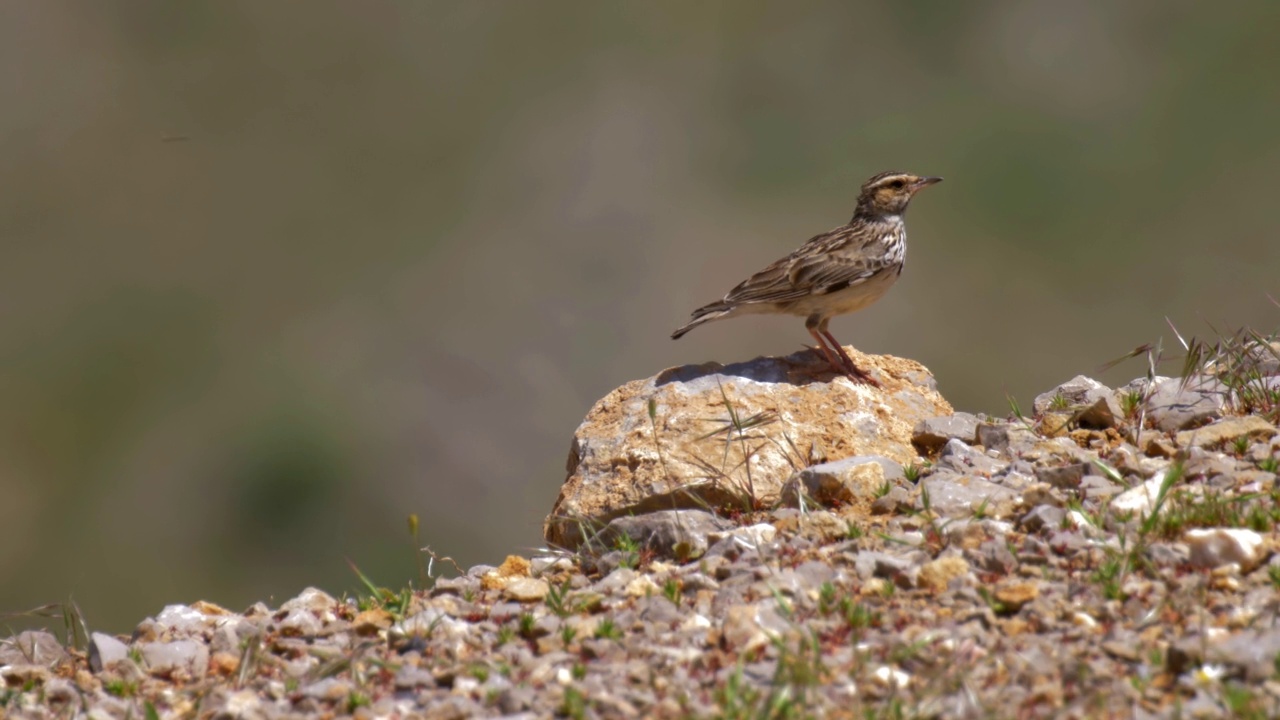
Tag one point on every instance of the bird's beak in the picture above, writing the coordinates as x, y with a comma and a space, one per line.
926, 182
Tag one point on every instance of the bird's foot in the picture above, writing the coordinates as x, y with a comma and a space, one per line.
841, 364
861, 377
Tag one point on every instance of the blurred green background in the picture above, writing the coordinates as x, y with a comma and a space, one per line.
275, 275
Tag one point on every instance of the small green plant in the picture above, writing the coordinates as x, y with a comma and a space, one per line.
357, 700
852, 530
1273, 574
557, 596
1014, 410
630, 551
1261, 519
527, 623
1059, 402
479, 672
120, 688
907, 652
574, 704
883, 489
567, 635
1240, 445
799, 668
1271, 464
981, 512
1110, 473
1243, 701
913, 472
579, 671
1109, 574
607, 630
826, 598
671, 590
505, 635
739, 698
396, 603
858, 616
1131, 404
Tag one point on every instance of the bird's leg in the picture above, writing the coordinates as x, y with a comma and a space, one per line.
831, 357
848, 366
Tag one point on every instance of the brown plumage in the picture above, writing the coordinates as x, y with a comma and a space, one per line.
837, 272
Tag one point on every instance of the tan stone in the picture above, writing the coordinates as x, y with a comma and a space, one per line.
515, 566
224, 663
1013, 627
1224, 431
207, 608
1015, 595
691, 454
1160, 447
369, 622
1055, 424
512, 568
936, 574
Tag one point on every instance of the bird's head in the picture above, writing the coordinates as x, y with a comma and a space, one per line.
889, 193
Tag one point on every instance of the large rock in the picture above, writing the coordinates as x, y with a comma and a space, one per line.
728, 437
1173, 404
1087, 402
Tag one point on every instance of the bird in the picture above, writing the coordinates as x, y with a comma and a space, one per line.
840, 271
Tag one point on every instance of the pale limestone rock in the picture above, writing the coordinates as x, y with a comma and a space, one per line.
691, 455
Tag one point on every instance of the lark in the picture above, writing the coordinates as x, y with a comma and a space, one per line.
838, 272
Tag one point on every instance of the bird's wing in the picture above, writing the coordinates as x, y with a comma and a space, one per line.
812, 269
770, 285
821, 275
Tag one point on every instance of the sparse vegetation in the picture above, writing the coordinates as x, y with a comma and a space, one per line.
789, 645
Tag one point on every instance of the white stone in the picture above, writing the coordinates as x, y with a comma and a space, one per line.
1083, 619
1140, 499
891, 677
1216, 547
310, 599
750, 537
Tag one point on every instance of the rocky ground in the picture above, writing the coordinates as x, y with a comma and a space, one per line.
763, 540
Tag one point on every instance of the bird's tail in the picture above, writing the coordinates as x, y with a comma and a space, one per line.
705, 314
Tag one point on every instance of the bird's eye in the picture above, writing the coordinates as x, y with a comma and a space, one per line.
896, 184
